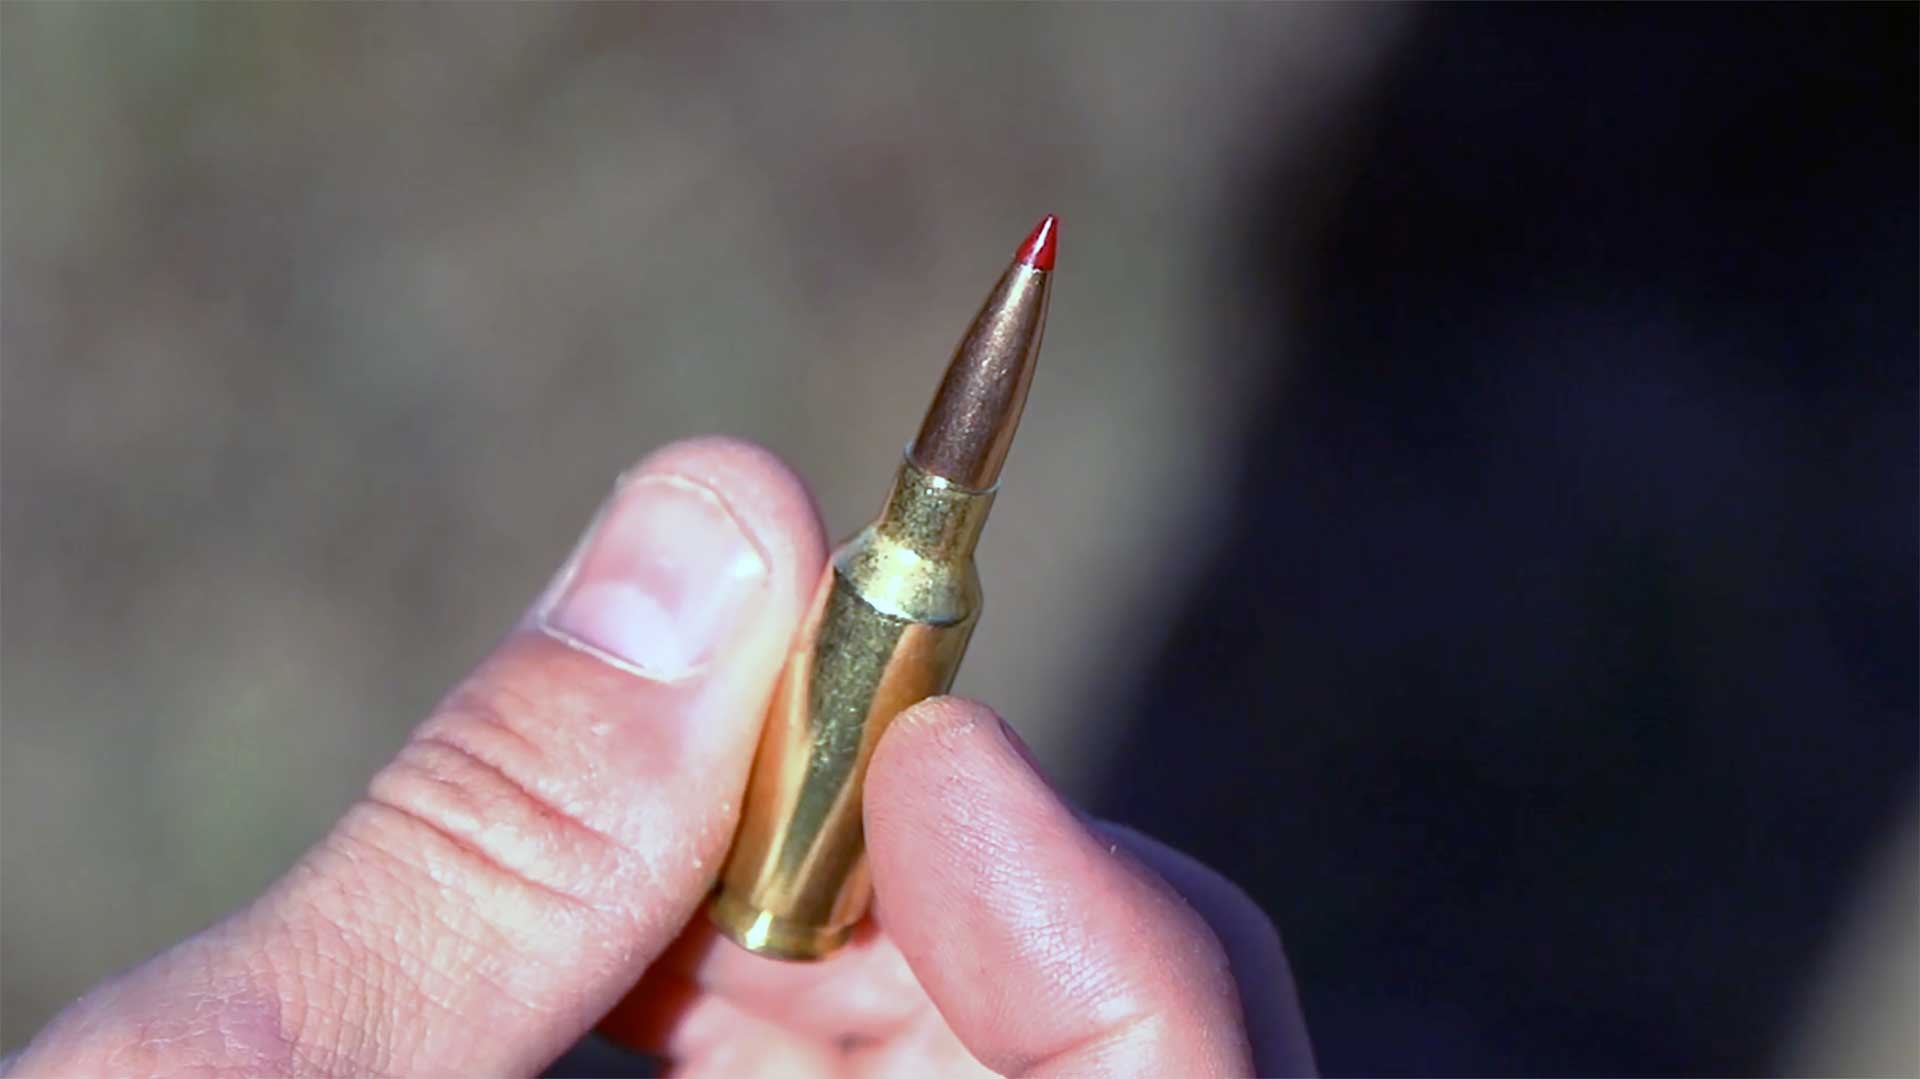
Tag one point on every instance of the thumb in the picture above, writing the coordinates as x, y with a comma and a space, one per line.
540, 838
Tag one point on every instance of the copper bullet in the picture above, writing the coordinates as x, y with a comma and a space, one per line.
888, 626
970, 425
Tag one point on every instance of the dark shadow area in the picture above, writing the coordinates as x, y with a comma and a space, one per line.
1558, 671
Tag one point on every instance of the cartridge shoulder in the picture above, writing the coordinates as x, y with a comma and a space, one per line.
900, 581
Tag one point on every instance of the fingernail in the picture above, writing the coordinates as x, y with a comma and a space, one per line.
1020, 747
660, 582
1025, 752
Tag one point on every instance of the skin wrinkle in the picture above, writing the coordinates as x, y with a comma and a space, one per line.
564, 704
494, 708
474, 717
478, 803
651, 791
405, 875
1144, 1028
559, 701
456, 868
493, 705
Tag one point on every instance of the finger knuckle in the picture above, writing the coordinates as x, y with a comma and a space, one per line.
470, 790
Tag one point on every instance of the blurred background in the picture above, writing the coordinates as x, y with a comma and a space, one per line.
1469, 495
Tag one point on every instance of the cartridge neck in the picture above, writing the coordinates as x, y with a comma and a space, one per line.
931, 516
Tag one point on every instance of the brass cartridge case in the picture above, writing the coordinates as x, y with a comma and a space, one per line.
887, 628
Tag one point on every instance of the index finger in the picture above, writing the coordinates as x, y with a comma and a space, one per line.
1047, 949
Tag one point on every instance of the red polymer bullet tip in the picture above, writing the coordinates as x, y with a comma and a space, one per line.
1037, 252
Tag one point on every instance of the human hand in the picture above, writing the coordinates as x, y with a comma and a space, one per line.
547, 835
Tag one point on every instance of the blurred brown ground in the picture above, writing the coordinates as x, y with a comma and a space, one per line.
326, 327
